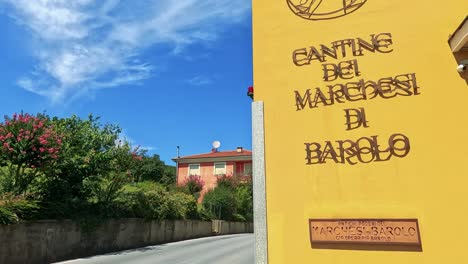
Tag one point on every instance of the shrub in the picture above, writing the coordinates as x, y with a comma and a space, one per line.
204, 214
232, 199
227, 181
244, 200
7, 217
221, 203
152, 201
181, 206
24, 209
141, 201
18, 205
104, 190
238, 218
193, 184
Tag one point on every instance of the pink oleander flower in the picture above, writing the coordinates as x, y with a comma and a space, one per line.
194, 183
137, 157
38, 141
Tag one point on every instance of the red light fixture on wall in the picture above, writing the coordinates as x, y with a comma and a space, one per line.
250, 92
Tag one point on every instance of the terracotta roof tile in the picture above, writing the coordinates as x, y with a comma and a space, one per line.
231, 153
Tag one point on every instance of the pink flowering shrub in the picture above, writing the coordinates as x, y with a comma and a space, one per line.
27, 142
137, 154
193, 184
228, 181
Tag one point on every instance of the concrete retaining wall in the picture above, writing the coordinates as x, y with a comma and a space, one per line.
49, 241
221, 227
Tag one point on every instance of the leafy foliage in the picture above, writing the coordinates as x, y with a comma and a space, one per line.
150, 169
152, 201
221, 203
232, 199
24, 209
7, 217
193, 184
204, 214
28, 143
244, 200
227, 181
53, 168
169, 176
88, 151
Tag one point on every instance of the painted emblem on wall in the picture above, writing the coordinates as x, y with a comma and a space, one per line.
324, 9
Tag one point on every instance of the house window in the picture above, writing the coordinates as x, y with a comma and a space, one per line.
248, 169
220, 168
194, 169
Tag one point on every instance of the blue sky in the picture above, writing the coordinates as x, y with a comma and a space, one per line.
168, 72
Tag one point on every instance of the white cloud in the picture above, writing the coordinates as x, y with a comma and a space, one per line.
93, 44
200, 81
123, 137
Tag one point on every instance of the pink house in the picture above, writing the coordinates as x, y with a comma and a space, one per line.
209, 166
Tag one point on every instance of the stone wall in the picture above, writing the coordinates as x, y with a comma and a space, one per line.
50, 241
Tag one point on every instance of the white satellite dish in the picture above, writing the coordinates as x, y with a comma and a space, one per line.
216, 144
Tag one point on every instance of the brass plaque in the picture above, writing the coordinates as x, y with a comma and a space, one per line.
365, 231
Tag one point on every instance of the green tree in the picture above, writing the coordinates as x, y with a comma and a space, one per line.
106, 188
88, 153
169, 176
151, 168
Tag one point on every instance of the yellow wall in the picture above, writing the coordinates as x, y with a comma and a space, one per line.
430, 183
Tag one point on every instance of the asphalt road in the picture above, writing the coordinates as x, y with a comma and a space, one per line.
231, 249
